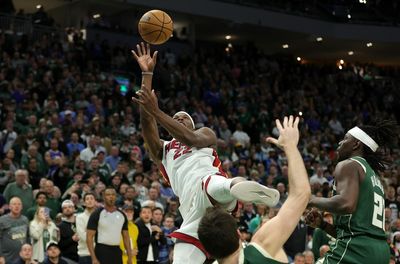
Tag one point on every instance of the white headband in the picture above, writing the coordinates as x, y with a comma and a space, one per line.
359, 134
185, 113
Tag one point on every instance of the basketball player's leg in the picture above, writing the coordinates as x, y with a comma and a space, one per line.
185, 253
226, 191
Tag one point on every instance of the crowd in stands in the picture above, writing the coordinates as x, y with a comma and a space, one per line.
67, 130
369, 11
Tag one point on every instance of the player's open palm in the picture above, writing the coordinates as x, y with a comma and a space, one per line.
143, 57
288, 132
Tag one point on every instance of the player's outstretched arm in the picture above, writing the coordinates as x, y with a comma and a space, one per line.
273, 234
149, 125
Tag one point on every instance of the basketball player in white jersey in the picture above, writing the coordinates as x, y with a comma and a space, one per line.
189, 163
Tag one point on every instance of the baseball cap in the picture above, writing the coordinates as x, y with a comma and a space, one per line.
67, 203
51, 244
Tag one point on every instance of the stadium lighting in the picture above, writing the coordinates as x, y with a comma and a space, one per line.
369, 44
363, 1
319, 39
285, 46
298, 58
229, 45
348, 16
340, 67
95, 16
227, 50
38, 6
350, 52
228, 37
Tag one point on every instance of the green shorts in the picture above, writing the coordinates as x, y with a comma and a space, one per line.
254, 254
358, 250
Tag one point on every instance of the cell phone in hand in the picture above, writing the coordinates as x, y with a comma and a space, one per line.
47, 212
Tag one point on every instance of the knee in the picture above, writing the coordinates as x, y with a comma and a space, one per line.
237, 180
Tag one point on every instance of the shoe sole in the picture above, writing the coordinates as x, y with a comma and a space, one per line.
250, 191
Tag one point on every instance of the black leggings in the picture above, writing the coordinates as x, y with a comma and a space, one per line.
108, 254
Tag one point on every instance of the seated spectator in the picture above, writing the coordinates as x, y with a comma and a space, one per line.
26, 255
53, 254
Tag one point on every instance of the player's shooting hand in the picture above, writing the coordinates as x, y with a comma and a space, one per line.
145, 60
147, 99
288, 132
314, 218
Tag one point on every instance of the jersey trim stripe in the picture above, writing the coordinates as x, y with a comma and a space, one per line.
164, 173
362, 165
217, 163
191, 240
348, 242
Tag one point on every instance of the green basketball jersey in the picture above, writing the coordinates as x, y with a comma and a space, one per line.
368, 219
253, 254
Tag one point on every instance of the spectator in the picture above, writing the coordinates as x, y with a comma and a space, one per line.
148, 239
89, 152
308, 257
54, 157
68, 237
247, 215
157, 216
299, 259
42, 230
320, 237
26, 255
20, 188
82, 220
113, 159
133, 234
41, 200
165, 250
74, 146
53, 254
7, 138
13, 232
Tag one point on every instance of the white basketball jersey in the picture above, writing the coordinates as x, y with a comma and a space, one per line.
183, 166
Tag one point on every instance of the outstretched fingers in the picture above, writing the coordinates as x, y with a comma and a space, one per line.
139, 50
144, 48
135, 55
154, 56
278, 125
290, 122
296, 122
137, 100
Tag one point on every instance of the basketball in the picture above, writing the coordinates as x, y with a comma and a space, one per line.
155, 27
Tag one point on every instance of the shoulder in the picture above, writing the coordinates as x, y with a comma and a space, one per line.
347, 164
24, 219
96, 213
205, 130
347, 168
